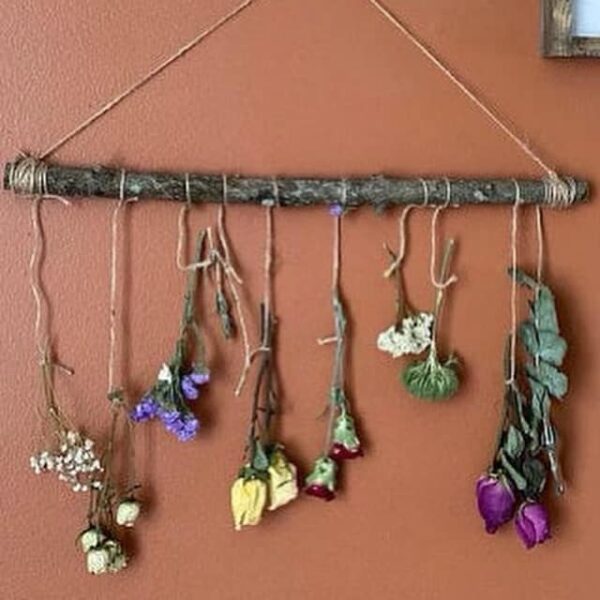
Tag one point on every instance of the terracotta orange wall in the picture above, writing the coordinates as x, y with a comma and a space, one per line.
296, 87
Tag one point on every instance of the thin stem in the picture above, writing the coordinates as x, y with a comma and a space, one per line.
440, 292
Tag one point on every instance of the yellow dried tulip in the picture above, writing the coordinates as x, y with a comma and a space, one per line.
248, 500
283, 480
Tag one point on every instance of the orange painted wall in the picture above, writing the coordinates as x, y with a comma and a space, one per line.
296, 87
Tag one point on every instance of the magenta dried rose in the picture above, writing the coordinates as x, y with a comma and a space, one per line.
532, 523
495, 500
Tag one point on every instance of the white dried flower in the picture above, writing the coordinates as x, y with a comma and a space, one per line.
90, 538
165, 374
127, 512
98, 560
413, 337
74, 462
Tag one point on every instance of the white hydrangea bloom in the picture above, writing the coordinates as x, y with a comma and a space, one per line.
413, 337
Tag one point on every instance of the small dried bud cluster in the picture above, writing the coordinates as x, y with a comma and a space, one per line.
103, 554
74, 462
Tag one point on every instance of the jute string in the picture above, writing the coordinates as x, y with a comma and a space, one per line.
439, 285
513, 290
114, 239
110, 105
267, 301
402, 236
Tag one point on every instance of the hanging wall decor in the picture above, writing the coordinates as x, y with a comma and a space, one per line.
341, 439
526, 452
267, 478
527, 449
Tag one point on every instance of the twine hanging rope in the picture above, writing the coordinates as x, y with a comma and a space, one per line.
560, 193
439, 285
40, 298
513, 288
267, 302
402, 236
111, 104
114, 239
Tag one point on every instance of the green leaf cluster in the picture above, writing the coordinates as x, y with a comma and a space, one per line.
429, 379
527, 432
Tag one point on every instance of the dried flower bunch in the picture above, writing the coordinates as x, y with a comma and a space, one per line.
267, 478
341, 441
179, 380
432, 378
527, 452
416, 332
109, 508
68, 452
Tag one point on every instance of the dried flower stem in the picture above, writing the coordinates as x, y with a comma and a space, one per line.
440, 292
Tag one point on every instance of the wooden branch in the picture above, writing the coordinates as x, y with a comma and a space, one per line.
379, 191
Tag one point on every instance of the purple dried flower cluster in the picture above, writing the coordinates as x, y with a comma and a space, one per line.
169, 404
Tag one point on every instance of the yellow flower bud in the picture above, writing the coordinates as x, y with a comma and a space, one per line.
283, 480
248, 500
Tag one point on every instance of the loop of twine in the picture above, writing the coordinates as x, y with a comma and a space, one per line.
513, 290
440, 285
113, 281
264, 345
402, 237
559, 192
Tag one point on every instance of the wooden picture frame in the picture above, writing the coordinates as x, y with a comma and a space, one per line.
557, 33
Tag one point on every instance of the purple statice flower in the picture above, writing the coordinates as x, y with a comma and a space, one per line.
145, 410
336, 210
495, 500
188, 388
199, 377
532, 523
183, 426
188, 428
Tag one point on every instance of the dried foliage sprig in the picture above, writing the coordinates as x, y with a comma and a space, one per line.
341, 439
267, 477
108, 508
526, 453
180, 378
432, 378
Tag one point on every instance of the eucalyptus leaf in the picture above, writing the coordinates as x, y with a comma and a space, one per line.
514, 443
544, 310
555, 382
547, 345
517, 478
535, 474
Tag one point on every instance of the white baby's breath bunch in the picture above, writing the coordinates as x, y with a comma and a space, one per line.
74, 462
413, 337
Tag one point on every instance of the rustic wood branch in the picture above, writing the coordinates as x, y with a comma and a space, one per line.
558, 40
379, 191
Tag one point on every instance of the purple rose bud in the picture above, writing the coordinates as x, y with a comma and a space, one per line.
145, 410
532, 523
200, 377
495, 500
336, 210
188, 388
